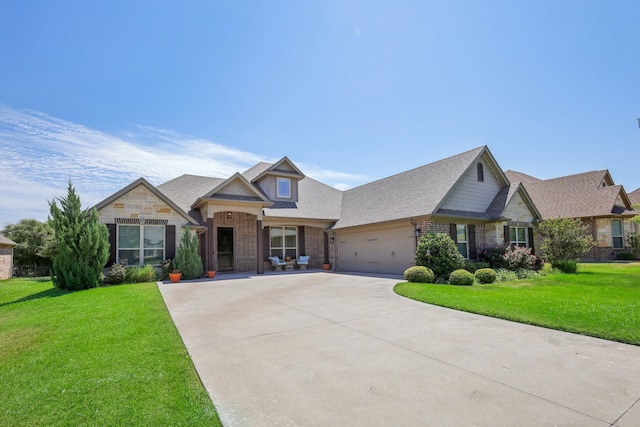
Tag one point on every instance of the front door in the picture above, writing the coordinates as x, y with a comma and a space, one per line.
225, 249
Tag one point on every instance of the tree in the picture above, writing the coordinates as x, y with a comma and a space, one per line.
35, 241
82, 244
565, 239
439, 252
187, 259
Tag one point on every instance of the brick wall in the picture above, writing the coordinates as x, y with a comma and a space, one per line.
6, 262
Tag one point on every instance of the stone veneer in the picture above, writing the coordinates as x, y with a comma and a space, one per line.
6, 262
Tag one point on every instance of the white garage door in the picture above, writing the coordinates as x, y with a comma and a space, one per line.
389, 250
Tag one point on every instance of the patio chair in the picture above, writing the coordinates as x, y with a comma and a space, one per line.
303, 262
276, 263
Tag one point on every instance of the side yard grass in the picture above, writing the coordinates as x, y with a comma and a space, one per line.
101, 357
601, 300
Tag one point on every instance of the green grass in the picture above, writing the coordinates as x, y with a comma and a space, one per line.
601, 300
101, 357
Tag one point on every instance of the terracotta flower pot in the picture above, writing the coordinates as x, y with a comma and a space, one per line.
211, 274
326, 266
175, 277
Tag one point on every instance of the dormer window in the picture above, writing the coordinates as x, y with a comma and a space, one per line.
284, 188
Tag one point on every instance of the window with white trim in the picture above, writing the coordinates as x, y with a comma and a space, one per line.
140, 244
461, 240
518, 236
284, 188
283, 242
616, 234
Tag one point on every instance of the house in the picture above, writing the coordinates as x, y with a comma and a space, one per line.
275, 210
6, 257
591, 197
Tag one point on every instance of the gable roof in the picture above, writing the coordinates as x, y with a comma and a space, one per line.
634, 197
283, 167
587, 194
5, 241
315, 201
417, 192
154, 190
514, 176
186, 189
243, 191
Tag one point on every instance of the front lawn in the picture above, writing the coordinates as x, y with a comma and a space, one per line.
101, 357
601, 300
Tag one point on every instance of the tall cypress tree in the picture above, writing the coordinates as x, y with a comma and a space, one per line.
82, 244
187, 259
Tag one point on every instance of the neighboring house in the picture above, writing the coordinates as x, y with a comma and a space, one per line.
6, 257
634, 197
591, 197
275, 210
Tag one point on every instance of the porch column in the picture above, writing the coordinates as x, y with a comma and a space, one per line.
260, 245
210, 259
326, 248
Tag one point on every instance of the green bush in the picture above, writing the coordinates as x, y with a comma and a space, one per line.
566, 266
419, 274
473, 266
117, 274
494, 256
140, 274
438, 252
461, 277
626, 256
485, 275
517, 258
187, 259
504, 275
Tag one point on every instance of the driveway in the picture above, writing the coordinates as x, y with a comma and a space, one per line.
328, 349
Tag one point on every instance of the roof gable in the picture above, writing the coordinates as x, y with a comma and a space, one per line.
5, 241
283, 167
236, 187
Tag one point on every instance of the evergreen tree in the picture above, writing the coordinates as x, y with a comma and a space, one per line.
34, 239
82, 244
187, 259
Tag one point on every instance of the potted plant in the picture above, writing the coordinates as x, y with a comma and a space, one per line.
175, 275
211, 274
326, 266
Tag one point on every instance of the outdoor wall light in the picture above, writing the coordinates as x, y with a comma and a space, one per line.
332, 239
229, 215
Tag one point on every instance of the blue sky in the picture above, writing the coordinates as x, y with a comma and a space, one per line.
101, 93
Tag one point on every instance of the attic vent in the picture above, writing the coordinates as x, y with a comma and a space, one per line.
142, 221
480, 172
127, 220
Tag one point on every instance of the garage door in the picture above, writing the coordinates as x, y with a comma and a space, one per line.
389, 250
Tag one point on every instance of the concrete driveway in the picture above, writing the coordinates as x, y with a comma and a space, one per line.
327, 349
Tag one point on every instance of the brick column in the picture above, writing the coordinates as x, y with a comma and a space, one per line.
210, 245
260, 245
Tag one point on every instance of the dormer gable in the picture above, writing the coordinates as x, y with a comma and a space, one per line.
279, 181
236, 187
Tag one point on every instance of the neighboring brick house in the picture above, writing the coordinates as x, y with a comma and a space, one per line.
275, 210
591, 197
6, 257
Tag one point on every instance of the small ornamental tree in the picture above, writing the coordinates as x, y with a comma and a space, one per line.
565, 239
187, 259
82, 244
439, 252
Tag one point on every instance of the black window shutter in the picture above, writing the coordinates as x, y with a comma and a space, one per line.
301, 242
530, 232
507, 240
453, 232
472, 242
112, 244
170, 241
266, 243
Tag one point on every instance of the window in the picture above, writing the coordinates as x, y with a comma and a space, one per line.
480, 169
518, 237
283, 242
140, 244
461, 240
616, 233
284, 187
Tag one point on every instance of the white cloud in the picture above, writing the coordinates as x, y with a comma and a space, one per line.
40, 154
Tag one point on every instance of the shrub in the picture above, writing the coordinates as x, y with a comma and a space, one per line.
494, 256
438, 252
187, 259
461, 277
627, 256
473, 266
565, 239
516, 258
167, 267
485, 275
566, 266
140, 274
117, 274
419, 274
504, 275
525, 273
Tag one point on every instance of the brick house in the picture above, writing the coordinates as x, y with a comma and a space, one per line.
592, 197
6, 257
275, 210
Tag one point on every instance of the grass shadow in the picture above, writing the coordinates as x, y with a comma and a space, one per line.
49, 293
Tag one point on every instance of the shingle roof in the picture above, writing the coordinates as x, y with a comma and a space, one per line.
575, 196
409, 194
7, 241
186, 189
520, 177
315, 201
634, 197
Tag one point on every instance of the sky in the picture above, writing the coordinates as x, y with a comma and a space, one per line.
101, 93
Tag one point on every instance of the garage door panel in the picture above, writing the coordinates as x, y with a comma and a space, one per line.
380, 251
